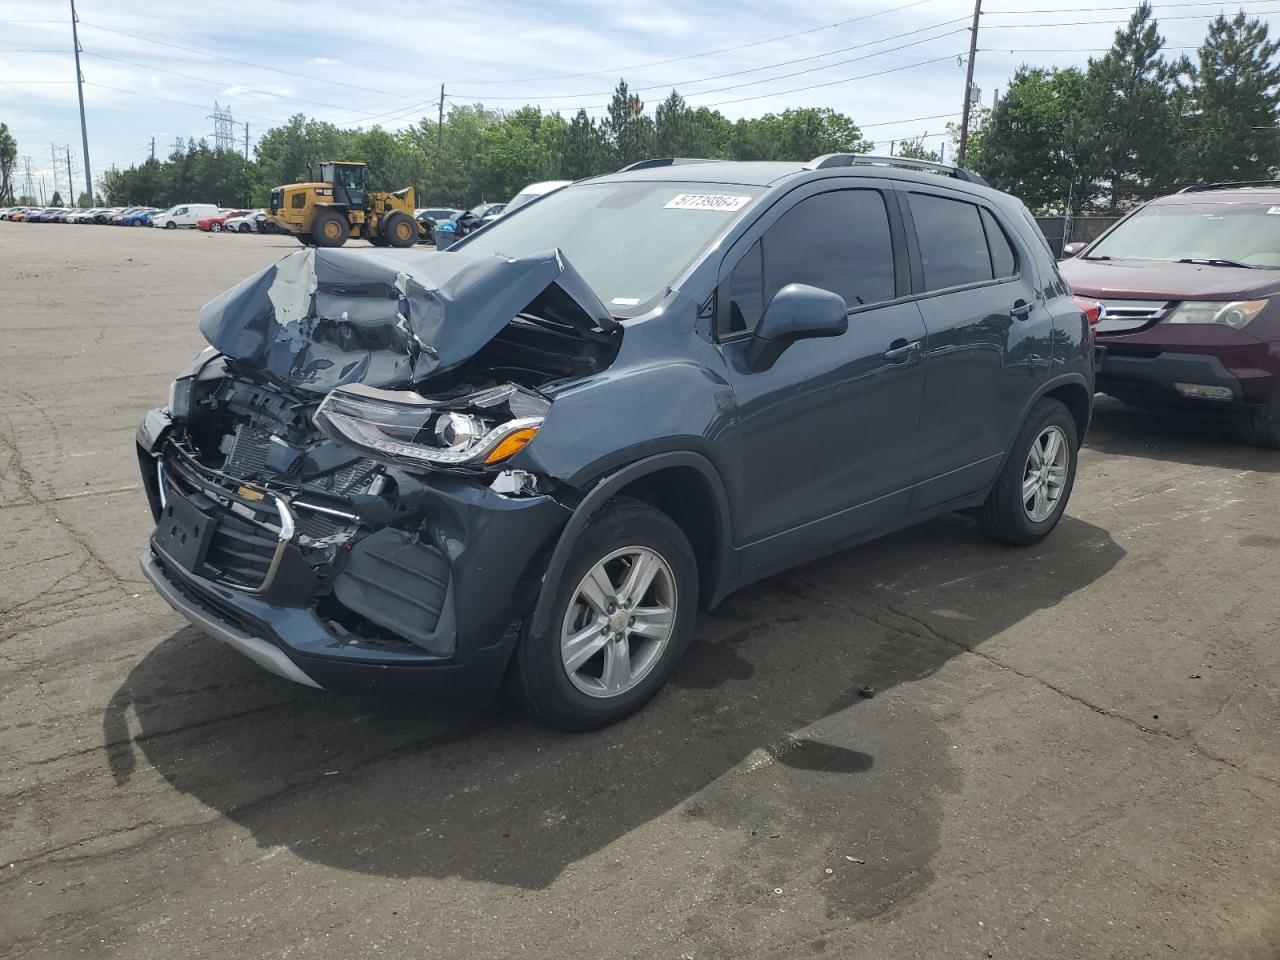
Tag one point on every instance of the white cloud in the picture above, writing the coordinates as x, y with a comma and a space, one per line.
323, 61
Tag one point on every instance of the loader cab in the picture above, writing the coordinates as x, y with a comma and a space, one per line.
348, 182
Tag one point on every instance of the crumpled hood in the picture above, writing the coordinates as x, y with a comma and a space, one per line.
321, 318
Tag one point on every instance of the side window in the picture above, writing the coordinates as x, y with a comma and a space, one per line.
746, 292
953, 245
1003, 261
180, 211
298, 200
838, 241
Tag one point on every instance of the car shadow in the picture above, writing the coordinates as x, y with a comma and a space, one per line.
1176, 435
781, 730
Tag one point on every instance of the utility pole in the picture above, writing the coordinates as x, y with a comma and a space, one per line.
66, 152
968, 83
153, 149
440, 122
42, 194
84, 130
54, 155
31, 190
246, 141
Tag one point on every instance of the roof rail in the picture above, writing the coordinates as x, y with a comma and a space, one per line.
829, 160
1229, 185
662, 162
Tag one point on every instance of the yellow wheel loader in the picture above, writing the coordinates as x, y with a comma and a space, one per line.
337, 206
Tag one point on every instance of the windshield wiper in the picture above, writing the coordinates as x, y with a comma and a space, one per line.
1216, 262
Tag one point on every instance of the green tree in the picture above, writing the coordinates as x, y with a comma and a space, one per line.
630, 132
1132, 113
586, 149
798, 134
82, 201
1234, 94
916, 150
56, 199
1031, 144
8, 157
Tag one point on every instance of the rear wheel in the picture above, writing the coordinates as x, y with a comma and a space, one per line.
1261, 425
305, 239
622, 617
1032, 489
400, 230
330, 229
243, 228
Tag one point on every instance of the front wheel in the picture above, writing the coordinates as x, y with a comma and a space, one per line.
244, 228
1261, 425
215, 227
171, 225
1034, 485
622, 617
400, 230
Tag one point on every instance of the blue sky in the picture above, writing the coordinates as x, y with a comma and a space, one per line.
883, 62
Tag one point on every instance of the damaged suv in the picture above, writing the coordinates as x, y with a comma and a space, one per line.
536, 455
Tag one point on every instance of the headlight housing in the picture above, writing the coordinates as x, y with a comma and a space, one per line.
408, 429
1236, 314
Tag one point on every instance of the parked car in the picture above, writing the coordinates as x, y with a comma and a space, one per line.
105, 215
214, 224
429, 217
140, 217
245, 222
1188, 288
606, 409
184, 215
469, 221
118, 219
532, 192
46, 215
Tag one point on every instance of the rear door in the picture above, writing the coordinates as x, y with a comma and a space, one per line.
827, 434
988, 342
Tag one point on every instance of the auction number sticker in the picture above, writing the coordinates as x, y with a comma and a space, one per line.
706, 201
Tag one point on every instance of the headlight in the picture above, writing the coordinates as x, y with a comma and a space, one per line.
409, 429
1235, 314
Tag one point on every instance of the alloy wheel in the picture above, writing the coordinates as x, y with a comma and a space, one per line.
1045, 475
619, 622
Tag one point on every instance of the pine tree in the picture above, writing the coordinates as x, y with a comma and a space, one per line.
630, 131
1235, 93
1131, 113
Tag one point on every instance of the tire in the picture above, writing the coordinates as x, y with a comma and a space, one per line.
215, 228
305, 239
244, 228
400, 230
330, 229
1261, 425
545, 684
1005, 516
171, 225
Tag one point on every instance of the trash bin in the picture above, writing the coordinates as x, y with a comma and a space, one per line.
444, 234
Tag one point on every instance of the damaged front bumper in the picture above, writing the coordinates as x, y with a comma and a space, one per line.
419, 593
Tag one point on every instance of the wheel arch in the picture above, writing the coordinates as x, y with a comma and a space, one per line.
685, 486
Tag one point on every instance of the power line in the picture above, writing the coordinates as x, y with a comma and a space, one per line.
185, 103
767, 66
1085, 23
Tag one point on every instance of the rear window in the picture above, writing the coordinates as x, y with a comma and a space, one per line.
953, 243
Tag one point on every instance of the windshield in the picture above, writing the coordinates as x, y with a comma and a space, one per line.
1245, 234
629, 241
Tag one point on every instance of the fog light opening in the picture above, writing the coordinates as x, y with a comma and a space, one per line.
1203, 391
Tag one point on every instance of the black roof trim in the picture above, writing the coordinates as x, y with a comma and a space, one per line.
1229, 185
829, 160
662, 162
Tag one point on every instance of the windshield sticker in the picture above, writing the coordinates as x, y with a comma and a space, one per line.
1273, 211
706, 201
625, 301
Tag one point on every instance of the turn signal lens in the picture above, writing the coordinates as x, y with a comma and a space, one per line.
512, 445
1092, 310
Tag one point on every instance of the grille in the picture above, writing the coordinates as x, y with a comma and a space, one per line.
1124, 316
240, 551
348, 480
248, 456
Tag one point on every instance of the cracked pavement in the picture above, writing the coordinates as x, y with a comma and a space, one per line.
1071, 750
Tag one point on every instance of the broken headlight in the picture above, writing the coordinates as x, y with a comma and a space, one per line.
411, 430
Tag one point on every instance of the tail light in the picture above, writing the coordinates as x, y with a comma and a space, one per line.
1092, 310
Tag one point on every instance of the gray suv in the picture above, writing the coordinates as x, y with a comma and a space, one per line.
535, 456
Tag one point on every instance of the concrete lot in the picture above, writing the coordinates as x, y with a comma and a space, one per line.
1072, 750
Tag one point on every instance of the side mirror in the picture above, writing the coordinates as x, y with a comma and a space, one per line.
1073, 248
796, 312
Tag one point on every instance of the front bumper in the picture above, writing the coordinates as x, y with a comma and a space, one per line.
1156, 375
421, 599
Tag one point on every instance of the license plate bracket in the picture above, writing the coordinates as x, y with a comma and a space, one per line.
184, 533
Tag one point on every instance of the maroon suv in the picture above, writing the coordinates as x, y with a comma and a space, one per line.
1189, 288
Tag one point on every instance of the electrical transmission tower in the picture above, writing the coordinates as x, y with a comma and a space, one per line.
224, 128
31, 190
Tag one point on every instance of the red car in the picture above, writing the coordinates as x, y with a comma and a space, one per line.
1189, 293
214, 224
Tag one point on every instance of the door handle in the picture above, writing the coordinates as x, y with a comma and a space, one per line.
900, 351
1021, 310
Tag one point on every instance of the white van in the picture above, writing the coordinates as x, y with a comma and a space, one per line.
185, 215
